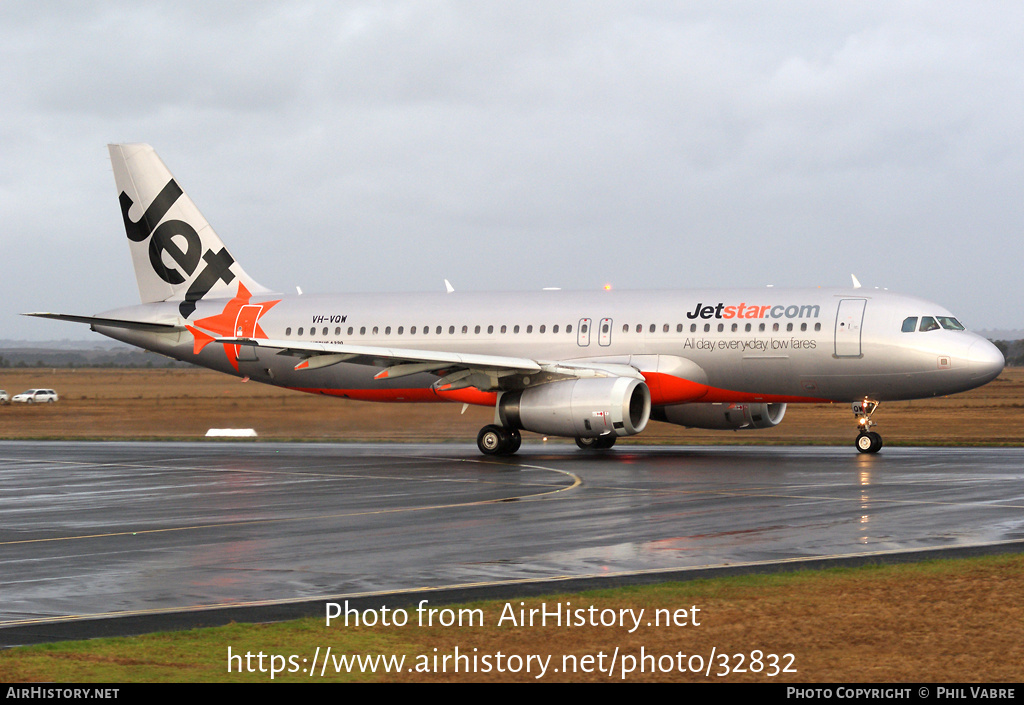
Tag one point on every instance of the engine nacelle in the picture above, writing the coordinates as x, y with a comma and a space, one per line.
721, 416
579, 408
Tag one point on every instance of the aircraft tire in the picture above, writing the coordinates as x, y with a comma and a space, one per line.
491, 440
515, 440
498, 440
877, 438
869, 442
599, 443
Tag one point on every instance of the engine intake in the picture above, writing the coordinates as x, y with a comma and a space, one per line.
721, 416
580, 408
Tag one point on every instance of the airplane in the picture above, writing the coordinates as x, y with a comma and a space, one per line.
593, 366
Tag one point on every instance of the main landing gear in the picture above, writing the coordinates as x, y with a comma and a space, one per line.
867, 441
498, 440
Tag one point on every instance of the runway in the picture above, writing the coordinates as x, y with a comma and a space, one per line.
91, 531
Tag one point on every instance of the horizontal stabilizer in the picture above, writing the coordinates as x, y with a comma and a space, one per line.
112, 322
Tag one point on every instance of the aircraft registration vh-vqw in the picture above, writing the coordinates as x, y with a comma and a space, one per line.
586, 365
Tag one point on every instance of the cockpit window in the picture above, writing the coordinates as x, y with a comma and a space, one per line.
949, 323
928, 323
910, 324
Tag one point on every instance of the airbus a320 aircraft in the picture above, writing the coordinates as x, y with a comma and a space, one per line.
590, 366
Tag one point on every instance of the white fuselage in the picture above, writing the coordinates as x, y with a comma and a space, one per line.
784, 345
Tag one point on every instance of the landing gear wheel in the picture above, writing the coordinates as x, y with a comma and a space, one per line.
491, 440
869, 442
586, 443
515, 440
498, 440
599, 443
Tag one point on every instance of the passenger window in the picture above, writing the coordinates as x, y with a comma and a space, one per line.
288, 330
910, 324
300, 331
928, 323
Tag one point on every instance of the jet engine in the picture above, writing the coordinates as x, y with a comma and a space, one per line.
721, 416
580, 408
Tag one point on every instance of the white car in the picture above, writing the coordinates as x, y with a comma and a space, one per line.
3, 396
34, 396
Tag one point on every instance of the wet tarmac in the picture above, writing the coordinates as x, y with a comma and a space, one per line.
94, 531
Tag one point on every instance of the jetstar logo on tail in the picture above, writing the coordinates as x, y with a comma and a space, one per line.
239, 319
217, 265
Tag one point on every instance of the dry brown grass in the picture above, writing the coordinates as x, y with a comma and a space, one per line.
942, 622
184, 403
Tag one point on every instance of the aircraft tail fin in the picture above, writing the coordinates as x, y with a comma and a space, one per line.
177, 255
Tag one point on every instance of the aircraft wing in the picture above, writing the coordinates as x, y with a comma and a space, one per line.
457, 370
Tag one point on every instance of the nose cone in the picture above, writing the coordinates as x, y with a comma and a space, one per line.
984, 361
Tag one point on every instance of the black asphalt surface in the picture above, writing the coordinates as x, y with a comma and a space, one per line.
118, 538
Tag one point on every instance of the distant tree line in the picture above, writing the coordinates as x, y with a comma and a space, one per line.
1013, 351
17, 359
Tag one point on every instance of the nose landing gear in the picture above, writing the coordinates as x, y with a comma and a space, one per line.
867, 441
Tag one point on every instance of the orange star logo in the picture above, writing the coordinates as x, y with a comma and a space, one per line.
239, 319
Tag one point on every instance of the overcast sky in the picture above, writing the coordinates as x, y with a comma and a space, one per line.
384, 146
